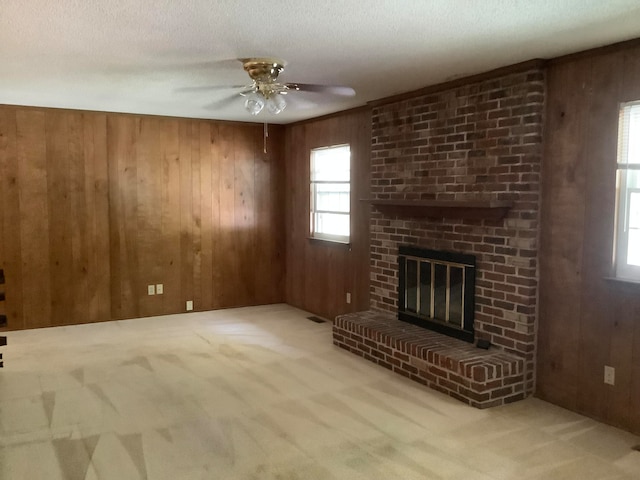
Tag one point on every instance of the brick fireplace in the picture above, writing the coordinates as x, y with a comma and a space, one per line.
456, 168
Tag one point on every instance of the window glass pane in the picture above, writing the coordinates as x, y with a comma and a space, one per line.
633, 135
627, 249
331, 192
331, 164
332, 224
634, 209
633, 255
633, 247
333, 197
629, 134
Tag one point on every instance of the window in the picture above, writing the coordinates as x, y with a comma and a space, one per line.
331, 193
627, 252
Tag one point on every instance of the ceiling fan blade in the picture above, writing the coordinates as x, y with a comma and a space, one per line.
298, 103
222, 103
331, 89
207, 88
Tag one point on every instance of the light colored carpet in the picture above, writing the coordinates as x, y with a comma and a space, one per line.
261, 393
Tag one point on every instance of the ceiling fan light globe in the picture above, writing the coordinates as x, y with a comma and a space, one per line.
254, 104
276, 104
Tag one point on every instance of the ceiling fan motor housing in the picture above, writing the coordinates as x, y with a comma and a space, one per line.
263, 70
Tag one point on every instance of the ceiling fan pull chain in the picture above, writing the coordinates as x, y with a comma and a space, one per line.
266, 134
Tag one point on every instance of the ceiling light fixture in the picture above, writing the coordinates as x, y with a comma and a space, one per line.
260, 96
276, 104
265, 90
254, 103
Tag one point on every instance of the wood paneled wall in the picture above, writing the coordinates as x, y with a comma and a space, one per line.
319, 274
585, 320
94, 207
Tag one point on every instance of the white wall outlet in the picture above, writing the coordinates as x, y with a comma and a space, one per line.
159, 289
348, 297
189, 305
151, 289
609, 375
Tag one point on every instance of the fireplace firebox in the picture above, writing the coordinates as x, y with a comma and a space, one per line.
436, 290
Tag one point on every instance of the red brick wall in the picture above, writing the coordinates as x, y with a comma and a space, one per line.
481, 140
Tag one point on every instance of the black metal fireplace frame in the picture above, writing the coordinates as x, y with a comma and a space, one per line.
467, 332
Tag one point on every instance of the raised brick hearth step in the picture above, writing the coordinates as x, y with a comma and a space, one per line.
481, 378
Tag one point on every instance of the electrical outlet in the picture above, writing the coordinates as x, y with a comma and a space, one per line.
609, 375
189, 305
151, 289
159, 289
348, 297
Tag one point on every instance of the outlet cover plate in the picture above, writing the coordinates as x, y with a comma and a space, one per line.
609, 375
151, 289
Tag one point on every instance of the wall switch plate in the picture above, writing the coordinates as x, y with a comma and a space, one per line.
609, 375
159, 289
348, 297
151, 289
189, 305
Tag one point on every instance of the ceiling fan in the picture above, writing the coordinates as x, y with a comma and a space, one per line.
265, 91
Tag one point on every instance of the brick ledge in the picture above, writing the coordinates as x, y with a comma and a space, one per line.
480, 378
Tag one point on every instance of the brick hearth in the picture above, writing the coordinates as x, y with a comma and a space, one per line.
475, 141
481, 378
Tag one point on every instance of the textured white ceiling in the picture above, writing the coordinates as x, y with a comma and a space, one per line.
136, 55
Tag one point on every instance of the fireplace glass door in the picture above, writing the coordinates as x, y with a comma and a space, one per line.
436, 290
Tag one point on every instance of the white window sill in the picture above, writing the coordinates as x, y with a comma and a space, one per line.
329, 241
627, 281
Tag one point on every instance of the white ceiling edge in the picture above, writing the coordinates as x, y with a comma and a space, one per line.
138, 56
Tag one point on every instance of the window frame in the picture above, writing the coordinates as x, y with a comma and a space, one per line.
313, 192
622, 270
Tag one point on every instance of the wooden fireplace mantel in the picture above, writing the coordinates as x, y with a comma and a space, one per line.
474, 209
